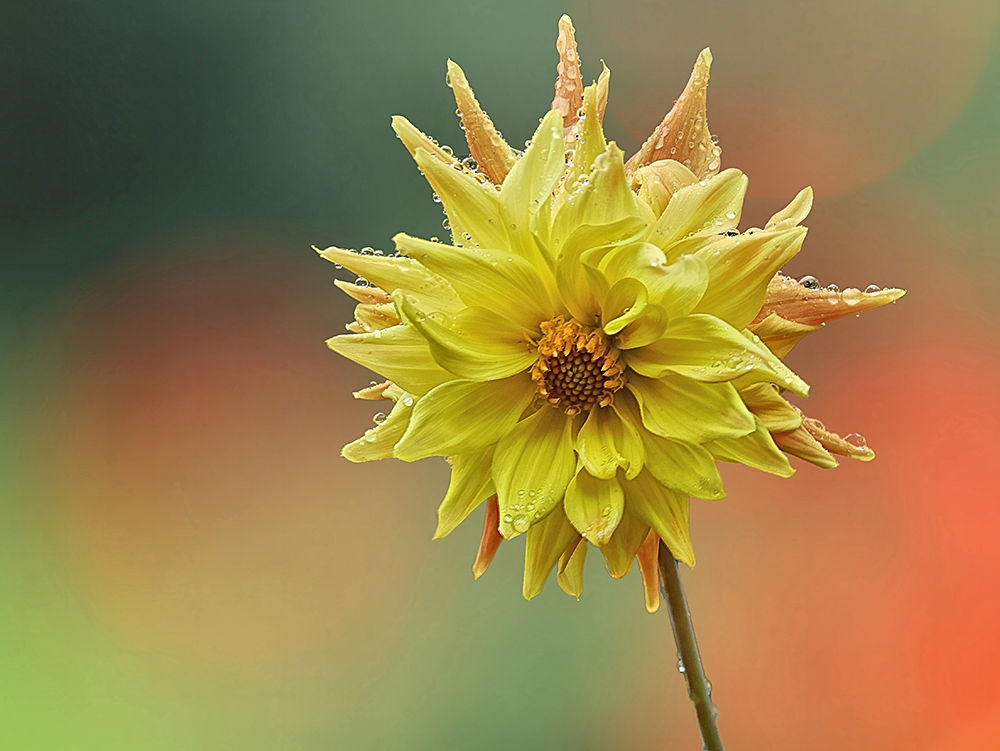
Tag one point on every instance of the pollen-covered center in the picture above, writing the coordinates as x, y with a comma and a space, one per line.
576, 367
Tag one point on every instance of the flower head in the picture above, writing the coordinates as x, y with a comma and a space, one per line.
595, 338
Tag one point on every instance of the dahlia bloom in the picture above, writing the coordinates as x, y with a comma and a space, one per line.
597, 335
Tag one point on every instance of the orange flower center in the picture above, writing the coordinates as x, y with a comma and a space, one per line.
576, 367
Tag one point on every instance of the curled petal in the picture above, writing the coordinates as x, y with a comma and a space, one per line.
377, 316
800, 443
812, 306
490, 540
492, 153
368, 294
374, 392
569, 82
657, 183
683, 135
794, 213
771, 408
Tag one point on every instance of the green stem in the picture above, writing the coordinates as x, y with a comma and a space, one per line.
689, 658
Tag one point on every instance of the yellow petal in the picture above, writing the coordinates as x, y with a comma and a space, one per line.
594, 506
365, 294
399, 353
649, 559
770, 407
413, 138
476, 344
530, 183
390, 273
487, 146
607, 443
473, 209
740, 269
683, 135
620, 550
375, 317
378, 442
677, 287
470, 485
810, 305
685, 467
780, 335
464, 416
569, 574
678, 407
703, 209
569, 82
586, 144
489, 278
624, 303
490, 541
756, 450
706, 349
545, 542
665, 510
657, 183
794, 213
532, 466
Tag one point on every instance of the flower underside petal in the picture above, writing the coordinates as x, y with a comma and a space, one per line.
656, 183
570, 571
546, 541
490, 541
756, 450
492, 153
620, 550
569, 82
794, 301
594, 506
799, 442
378, 442
770, 407
648, 557
683, 466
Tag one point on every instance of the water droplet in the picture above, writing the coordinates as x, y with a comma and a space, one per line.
508, 518
809, 282
680, 665
370, 435
407, 401
871, 289
857, 440
730, 215
521, 524
436, 198
379, 417
832, 288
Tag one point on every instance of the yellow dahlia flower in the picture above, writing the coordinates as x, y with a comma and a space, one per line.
595, 338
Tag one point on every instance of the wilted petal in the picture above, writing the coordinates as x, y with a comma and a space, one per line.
683, 135
811, 305
492, 153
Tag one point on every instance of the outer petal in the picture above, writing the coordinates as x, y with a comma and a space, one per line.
546, 541
594, 506
780, 335
533, 464
811, 306
756, 450
585, 141
530, 183
476, 344
853, 445
665, 510
649, 558
620, 550
490, 540
463, 416
472, 208
378, 442
470, 485
413, 138
683, 135
770, 407
683, 466
397, 272
800, 443
794, 213
493, 154
490, 278
706, 349
398, 353
677, 407
705, 208
607, 443
570, 571
740, 268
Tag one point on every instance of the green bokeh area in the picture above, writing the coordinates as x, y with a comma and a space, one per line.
133, 124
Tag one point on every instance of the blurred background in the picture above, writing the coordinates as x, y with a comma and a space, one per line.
186, 562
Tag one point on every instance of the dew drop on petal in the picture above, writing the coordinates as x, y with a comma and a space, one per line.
379, 417
871, 289
809, 282
857, 440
